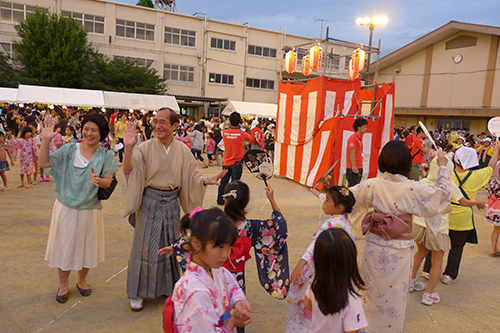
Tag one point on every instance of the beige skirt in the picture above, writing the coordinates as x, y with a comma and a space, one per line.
76, 238
437, 242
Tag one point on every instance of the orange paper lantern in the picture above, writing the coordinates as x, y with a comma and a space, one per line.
306, 68
358, 57
291, 61
353, 75
315, 57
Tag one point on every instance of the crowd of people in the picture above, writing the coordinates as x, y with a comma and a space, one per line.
422, 196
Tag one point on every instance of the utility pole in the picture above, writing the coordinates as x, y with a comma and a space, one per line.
317, 19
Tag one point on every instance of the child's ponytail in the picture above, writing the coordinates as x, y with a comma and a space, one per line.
208, 225
237, 195
342, 196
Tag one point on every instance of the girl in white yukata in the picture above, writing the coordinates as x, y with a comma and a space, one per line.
207, 298
338, 203
333, 295
387, 255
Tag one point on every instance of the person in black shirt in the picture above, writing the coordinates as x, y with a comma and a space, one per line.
12, 121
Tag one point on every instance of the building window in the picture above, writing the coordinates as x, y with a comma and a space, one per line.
260, 83
93, 23
135, 30
180, 73
335, 62
9, 51
221, 78
262, 51
15, 12
180, 37
139, 62
347, 59
223, 44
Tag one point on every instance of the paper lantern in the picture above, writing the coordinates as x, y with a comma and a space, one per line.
306, 69
358, 57
353, 75
291, 61
315, 57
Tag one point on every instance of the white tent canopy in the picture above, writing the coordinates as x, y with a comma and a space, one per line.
8, 95
120, 100
59, 96
265, 110
83, 97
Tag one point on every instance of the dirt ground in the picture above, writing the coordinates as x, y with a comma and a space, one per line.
28, 285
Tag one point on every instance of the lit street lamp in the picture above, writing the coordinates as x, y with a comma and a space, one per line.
371, 23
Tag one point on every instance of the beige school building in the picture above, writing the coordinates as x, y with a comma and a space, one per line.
448, 78
207, 62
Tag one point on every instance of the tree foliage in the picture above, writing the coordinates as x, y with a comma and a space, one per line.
8, 75
124, 76
54, 50
145, 3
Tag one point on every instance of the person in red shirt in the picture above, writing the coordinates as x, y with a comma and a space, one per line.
418, 151
409, 138
354, 163
258, 141
234, 141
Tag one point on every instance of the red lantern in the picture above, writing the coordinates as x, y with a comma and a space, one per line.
306, 69
358, 57
291, 61
353, 75
315, 57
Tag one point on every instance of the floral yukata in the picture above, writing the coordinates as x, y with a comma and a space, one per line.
200, 300
268, 237
386, 263
28, 154
299, 318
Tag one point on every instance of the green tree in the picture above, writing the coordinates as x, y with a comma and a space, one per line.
123, 76
145, 3
8, 75
54, 50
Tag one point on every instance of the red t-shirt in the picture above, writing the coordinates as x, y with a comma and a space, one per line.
112, 120
418, 145
409, 140
234, 139
258, 137
355, 143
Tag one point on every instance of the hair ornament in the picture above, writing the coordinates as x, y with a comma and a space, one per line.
194, 211
232, 193
344, 192
187, 237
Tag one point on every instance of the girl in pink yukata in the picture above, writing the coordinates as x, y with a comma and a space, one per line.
338, 203
493, 213
28, 154
333, 295
207, 298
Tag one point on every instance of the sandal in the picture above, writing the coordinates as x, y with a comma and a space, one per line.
205, 167
20, 185
28, 187
496, 254
5, 188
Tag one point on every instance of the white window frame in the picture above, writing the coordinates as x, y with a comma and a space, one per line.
214, 75
222, 48
262, 51
187, 70
83, 18
180, 34
260, 84
25, 9
128, 25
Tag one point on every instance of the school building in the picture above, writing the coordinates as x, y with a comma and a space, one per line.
448, 78
207, 62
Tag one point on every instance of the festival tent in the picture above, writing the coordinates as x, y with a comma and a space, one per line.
8, 95
264, 110
121, 100
83, 97
59, 96
315, 121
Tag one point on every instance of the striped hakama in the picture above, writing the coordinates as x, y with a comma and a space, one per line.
157, 226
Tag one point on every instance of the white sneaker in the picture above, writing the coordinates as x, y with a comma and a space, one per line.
446, 279
417, 286
136, 304
425, 275
119, 163
429, 299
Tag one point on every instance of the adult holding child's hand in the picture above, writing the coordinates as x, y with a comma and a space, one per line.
76, 235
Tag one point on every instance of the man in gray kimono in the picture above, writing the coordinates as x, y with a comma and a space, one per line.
161, 176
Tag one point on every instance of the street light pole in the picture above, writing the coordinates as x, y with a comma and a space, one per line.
371, 27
